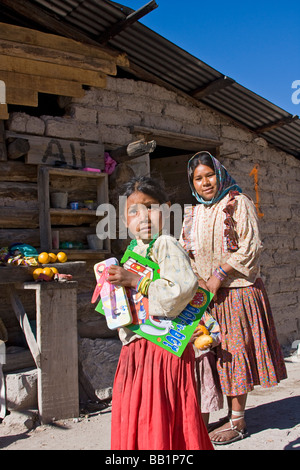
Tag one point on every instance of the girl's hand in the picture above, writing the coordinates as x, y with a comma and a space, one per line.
213, 284
120, 277
202, 284
197, 332
194, 336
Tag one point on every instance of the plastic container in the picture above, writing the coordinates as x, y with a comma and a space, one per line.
59, 200
74, 206
71, 245
95, 170
89, 204
94, 242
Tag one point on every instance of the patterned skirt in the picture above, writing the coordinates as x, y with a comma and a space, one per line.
249, 353
154, 405
210, 396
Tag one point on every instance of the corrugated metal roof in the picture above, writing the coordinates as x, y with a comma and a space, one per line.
170, 63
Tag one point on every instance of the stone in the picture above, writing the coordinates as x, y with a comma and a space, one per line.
98, 360
17, 122
35, 126
22, 420
82, 114
21, 389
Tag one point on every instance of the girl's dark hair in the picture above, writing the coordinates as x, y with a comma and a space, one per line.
146, 185
201, 158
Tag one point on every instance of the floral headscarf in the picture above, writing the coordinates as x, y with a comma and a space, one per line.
225, 182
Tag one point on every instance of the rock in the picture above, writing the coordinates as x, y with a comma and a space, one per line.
295, 348
26, 420
21, 389
98, 360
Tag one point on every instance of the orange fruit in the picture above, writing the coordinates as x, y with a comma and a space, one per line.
37, 272
53, 257
62, 257
48, 272
202, 329
55, 271
203, 341
43, 258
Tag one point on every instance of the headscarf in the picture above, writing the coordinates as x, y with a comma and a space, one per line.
225, 182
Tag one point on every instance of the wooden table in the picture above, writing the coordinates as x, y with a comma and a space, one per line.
55, 347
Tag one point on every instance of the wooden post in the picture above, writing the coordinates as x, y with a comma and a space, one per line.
44, 209
56, 325
3, 152
24, 324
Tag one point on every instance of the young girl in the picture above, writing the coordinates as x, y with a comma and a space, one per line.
154, 404
209, 391
222, 237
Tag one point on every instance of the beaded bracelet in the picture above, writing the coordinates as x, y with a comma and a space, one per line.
143, 285
220, 274
146, 287
138, 283
224, 272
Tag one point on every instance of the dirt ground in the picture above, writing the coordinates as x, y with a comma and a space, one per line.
272, 415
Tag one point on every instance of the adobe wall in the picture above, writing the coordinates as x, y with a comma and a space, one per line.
107, 114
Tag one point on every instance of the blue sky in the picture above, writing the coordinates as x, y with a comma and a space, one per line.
256, 43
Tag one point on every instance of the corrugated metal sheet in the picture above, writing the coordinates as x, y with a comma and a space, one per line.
176, 66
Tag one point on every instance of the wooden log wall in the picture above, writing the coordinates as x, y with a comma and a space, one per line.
19, 208
19, 222
33, 62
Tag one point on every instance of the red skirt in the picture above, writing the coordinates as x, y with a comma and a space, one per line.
154, 404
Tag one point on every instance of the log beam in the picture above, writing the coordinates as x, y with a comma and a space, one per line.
132, 150
275, 124
212, 87
17, 148
118, 27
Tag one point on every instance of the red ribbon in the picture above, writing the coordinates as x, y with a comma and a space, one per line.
100, 283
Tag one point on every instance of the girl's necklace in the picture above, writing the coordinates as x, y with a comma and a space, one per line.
133, 244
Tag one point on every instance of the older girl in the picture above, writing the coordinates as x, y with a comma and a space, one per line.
221, 236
